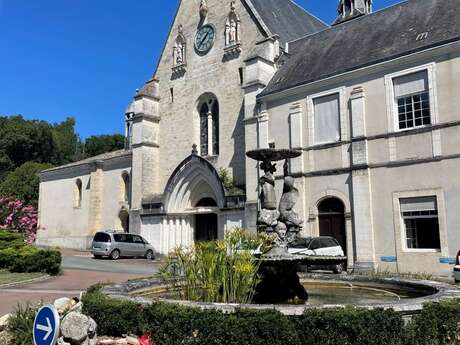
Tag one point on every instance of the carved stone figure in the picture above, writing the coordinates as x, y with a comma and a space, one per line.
178, 54
268, 214
287, 202
232, 32
203, 9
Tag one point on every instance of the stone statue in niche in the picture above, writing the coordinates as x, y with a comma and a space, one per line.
287, 202
232, 27
178, 54
179, 49
269, 214
232, 32
203, 9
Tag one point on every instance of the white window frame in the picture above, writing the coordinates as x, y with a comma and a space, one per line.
400, 225
392, 105
342, 115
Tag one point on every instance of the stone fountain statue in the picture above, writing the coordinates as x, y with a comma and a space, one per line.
278, 269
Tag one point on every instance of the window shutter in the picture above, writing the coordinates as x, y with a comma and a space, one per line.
327, 119
428, 203
411, 84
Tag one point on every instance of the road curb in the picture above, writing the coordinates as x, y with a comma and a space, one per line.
24, 282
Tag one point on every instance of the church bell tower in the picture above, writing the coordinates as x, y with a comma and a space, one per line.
350, 9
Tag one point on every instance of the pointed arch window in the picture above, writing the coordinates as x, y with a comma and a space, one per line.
78, 193
209, 127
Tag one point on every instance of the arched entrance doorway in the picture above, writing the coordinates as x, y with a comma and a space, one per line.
331, 217
206, 225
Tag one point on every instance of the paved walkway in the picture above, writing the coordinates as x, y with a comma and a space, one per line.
80, 271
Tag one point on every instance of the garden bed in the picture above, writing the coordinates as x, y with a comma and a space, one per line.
8, 278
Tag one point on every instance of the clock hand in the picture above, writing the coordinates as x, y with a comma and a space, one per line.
204, 39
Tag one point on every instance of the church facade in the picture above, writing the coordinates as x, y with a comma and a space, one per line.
371, 101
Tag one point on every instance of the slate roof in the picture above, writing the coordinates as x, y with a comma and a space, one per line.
286, 19
368, 40
102, 157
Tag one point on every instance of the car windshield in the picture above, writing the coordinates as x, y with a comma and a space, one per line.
102, 237
301, 242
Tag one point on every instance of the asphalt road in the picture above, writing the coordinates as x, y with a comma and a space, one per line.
80, 271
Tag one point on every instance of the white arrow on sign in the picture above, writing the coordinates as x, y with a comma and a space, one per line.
48, 329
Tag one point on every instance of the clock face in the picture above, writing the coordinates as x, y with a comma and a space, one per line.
204, 39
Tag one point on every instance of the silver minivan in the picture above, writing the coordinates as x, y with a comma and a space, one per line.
116, 245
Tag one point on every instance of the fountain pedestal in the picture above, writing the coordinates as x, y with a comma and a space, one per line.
278, 268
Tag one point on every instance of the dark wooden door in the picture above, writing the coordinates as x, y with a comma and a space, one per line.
333, 225
205, 227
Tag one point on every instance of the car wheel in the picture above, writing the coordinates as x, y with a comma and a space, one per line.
115, 255
338, 269
457, 281
149, 255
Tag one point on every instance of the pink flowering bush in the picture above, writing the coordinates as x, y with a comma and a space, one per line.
16, 216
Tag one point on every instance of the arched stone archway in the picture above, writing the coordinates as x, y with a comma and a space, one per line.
194, 198
193, 180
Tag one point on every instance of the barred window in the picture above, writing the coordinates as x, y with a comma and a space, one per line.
413, 100
420, 216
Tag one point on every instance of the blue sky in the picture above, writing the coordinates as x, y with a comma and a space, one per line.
85, 58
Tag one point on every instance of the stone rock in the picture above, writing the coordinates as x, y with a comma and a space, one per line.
78, 307
63, 304
106, 342
4, 322
76, 326
121, 342
62, 342
132, 341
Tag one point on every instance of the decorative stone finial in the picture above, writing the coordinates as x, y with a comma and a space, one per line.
203, 9
194, 150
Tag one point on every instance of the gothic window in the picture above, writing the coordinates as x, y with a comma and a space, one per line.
78, 190
204, 111
126, 187
209, 126
215, 128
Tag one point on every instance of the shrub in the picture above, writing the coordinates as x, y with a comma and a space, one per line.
31, 259
173, 324
20, 324
10, 239
16, 216
437, 324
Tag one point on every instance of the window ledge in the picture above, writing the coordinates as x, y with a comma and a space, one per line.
422, 251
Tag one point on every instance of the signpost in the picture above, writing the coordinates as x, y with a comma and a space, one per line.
46, 326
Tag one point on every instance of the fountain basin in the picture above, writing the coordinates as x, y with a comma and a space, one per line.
326, 291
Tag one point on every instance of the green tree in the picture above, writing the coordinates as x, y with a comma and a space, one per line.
99, 144
23, 182
24, 141
6, 165
66, 141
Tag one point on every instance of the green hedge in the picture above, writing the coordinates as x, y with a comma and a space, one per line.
31, 259
11, 240
172, 324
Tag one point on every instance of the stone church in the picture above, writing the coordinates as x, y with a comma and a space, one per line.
372, 101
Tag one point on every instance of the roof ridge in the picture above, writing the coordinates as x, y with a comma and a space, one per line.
330, 27
309, 13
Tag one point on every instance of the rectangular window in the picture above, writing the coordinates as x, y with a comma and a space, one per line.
420, 216
413, 100
327, 119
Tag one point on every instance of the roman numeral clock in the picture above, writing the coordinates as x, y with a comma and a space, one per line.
204, 39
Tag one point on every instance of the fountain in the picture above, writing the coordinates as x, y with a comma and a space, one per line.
278, 268
280, 287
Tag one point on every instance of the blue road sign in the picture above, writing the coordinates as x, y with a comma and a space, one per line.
46, 326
